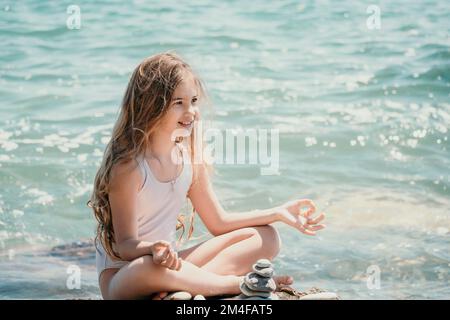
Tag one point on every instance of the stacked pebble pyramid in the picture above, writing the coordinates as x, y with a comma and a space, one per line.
259, 284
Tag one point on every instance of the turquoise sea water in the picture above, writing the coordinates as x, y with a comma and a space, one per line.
363, 117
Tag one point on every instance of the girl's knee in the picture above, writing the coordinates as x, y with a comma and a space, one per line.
268, 236
271, 240
145, 264
140, 278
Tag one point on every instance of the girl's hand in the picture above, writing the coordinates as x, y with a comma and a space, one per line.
164, 255
291, 214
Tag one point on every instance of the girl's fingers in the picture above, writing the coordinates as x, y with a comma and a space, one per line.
168, 262
316, 220
165, 254
174, 263
309, 232
306, 231
290, 217
301, 220
177, 264
162, 255
163, 243
316, 227
307, 203
311, 211
158, 260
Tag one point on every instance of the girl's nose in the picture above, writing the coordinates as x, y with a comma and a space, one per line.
192, 109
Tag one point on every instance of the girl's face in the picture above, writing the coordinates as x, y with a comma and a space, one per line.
183, 109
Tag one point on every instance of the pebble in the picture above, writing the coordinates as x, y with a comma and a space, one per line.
251, 293
263, 263
264, 272
321, 296
244, 297
259, 283
179, 295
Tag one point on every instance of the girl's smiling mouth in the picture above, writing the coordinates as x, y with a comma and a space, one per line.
186, 124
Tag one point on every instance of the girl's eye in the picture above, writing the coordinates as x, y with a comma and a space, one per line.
179, 102
194, 100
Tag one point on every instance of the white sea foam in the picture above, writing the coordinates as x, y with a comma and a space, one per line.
5, 143
40, 197
310, 141
17, 213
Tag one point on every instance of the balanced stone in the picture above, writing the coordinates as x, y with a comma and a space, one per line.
263, 263
199, 297
264, 272
251, 293
258, 283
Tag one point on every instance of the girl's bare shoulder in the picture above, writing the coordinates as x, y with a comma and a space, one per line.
125, 174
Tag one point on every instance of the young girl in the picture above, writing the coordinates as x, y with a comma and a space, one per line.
148, 170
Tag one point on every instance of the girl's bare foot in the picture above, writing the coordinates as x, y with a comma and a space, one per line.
160, 295
281, 281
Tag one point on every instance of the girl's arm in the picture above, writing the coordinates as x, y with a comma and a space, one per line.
218, 221
125, 183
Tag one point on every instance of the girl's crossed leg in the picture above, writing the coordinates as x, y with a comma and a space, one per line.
210, 268
234, 253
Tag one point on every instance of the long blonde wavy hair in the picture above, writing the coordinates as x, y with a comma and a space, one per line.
144, 105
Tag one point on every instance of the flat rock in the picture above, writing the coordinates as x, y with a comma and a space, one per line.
320, 296
290, 293
258, 283
179, 295
264, 272
244, 297
251, 293
263, 263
